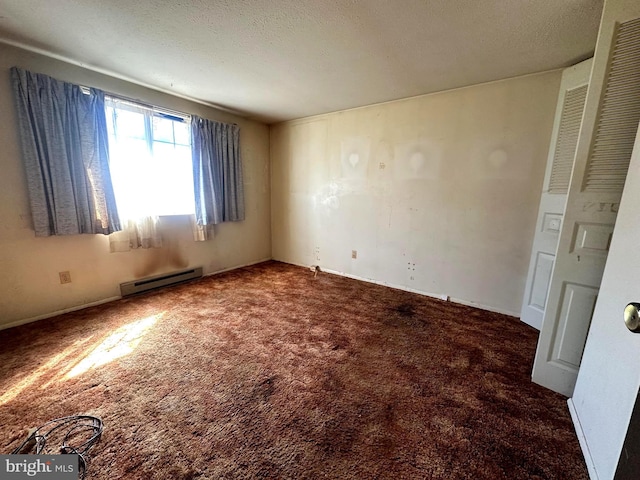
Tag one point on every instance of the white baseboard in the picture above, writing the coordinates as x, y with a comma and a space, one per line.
104, 300
593, 474
414, 290
57, 312
237, 266
488, 308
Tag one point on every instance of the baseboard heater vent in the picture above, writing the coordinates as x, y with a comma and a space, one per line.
149, 283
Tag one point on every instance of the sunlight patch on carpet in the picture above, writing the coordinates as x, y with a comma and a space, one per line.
120, 343
44, 369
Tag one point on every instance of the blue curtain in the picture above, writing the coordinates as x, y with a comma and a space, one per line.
217, 172
65, 150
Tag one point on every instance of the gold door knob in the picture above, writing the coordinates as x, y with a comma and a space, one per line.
632, 317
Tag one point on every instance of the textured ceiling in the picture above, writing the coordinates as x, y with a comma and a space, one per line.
275, 60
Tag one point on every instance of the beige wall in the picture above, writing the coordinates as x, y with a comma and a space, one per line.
29, 266
437, 194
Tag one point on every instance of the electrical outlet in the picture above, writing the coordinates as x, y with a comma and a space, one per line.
65, 277
354, 254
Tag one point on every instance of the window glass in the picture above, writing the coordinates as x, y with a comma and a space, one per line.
182, 133
163, 130
150, 162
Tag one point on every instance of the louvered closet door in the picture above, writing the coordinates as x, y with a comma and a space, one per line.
573, 91
603, 152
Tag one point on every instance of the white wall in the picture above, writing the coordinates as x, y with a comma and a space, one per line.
437, 193
29, 266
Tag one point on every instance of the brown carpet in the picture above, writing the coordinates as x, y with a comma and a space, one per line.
268, 372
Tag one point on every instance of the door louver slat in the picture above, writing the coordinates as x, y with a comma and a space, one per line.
619, 115
568, 131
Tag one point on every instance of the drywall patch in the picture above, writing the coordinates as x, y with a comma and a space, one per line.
417, 160
354, 154
498, 162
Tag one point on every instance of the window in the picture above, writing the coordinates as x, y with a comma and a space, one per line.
150, 160
148, 169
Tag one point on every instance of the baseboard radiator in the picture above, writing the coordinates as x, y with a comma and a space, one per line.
149, 283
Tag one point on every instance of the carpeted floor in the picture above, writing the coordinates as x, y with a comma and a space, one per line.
268, 372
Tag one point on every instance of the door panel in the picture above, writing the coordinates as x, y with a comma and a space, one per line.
566, 127
592, 239
603, 152
578, 301
541, 278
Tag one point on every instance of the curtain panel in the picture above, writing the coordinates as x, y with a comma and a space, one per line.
217, 172
65, 151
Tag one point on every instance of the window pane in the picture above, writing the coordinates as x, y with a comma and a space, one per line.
129, 124
130, 165
162, 129
182, 131
174, 179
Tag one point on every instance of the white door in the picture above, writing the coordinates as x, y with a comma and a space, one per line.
609, 378
605, 142
573, 91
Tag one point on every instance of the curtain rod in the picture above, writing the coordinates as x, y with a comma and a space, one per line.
138, 103
149, 106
